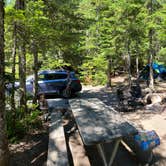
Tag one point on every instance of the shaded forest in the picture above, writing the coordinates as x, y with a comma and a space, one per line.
96, 38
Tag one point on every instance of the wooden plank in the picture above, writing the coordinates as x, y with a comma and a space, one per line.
98, 123
57, 151
58, 103
78, 151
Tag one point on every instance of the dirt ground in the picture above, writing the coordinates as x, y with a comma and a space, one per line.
30, 151
33, 149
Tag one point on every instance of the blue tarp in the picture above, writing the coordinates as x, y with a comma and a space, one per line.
158, 70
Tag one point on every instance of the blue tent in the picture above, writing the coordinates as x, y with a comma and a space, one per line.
158, 70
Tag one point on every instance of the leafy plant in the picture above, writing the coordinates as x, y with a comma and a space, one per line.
18, 125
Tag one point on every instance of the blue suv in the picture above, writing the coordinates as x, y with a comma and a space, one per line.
55, 82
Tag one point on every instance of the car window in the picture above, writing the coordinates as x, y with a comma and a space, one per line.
41, 77
29, 78
53, 76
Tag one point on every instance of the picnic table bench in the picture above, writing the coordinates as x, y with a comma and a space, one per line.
57, 150
98, 123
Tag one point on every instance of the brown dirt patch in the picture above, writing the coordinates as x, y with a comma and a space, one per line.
32, 150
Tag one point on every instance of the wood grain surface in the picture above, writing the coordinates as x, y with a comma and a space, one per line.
98, 123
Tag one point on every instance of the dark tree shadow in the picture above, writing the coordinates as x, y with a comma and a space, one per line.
35, 155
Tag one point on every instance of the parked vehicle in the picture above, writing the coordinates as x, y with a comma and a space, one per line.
54, 82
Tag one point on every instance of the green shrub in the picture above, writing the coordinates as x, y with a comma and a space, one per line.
20, 123
15, 128
32, 120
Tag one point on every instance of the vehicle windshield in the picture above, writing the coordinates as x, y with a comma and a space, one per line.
52, 76
49, 76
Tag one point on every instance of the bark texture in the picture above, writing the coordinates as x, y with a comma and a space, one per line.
151, 33
35, 69
3, 138
20, 5
109, 71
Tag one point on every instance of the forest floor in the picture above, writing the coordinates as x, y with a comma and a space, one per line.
32, 150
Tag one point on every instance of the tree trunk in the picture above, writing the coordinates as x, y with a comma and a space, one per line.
35, 69
151, 79
22, 77
129, 62
13, 69
109, 68
151, 32
137, 64
137, 59
20, 5
4, 152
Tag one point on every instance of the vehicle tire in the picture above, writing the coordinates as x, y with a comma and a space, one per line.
66, 93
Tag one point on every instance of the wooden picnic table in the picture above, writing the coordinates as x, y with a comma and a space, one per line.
99, 123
